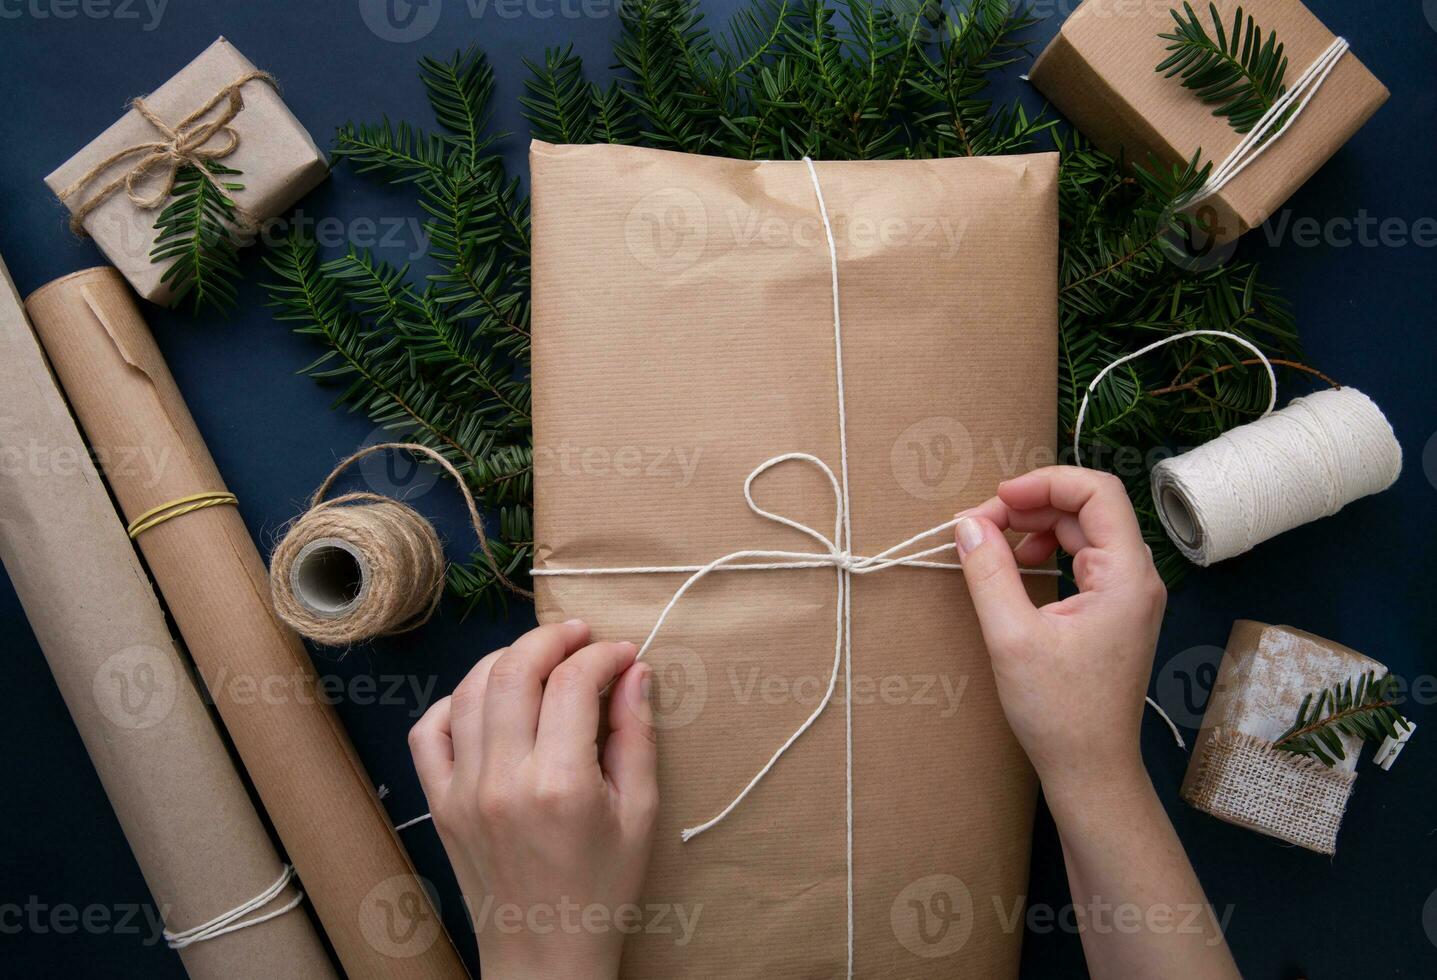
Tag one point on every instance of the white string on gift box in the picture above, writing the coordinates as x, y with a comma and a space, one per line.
836, 553
1256, 140
228, 922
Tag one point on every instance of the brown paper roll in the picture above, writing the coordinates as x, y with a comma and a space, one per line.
307, 773
184, 810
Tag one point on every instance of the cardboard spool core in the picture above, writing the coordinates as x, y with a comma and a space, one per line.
329, 577
1180, 518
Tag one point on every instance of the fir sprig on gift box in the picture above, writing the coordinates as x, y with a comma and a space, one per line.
197, 236
445, 362
1237, 71
1362, 707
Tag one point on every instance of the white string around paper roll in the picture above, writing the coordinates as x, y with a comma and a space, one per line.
836, 553
1257, 480
1257, 140
228, 922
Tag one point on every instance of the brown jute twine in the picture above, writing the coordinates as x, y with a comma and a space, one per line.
184, 143
394, 558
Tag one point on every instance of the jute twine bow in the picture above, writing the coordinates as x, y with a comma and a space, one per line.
399, 558
184, 143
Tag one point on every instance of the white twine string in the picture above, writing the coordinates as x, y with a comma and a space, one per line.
1172, 338
1257, 480
1256, 140
1083, 412
836, 553
227, 922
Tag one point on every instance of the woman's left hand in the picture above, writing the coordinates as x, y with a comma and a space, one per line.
549, 839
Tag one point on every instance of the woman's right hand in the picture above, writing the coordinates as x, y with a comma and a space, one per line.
1072, 674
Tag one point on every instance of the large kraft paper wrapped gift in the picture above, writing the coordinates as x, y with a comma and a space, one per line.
682, 335
1099, 72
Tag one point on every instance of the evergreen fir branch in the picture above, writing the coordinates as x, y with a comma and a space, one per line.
1237, 71
459, 91
197, 236
375, 366
481, 244
1361, 707
446, 360
559, 105
656, 49
613, 120
403, 154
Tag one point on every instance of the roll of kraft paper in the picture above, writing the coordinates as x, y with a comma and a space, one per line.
1254, 482
321, 802
204, 851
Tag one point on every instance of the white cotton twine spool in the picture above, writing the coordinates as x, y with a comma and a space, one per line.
1290, 467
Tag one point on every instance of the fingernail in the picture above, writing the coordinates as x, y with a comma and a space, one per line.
646, 683
970, 535
573, 622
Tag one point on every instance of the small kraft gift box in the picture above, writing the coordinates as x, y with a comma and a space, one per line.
1100, 72
795, 373
219, 108
1238, 774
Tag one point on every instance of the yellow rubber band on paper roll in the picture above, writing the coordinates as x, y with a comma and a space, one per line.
179, 507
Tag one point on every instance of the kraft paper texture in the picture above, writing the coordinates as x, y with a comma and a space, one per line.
184, 809
683, 334
1099, 73
308, 776
278, 160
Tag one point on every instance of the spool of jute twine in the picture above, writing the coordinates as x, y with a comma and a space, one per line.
362, 565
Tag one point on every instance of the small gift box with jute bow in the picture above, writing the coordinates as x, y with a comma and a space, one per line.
1243, 767
1261, 88
219, 114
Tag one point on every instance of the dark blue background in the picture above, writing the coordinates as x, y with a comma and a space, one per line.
1364, 578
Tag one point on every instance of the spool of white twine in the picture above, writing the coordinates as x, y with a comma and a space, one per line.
1288, 468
